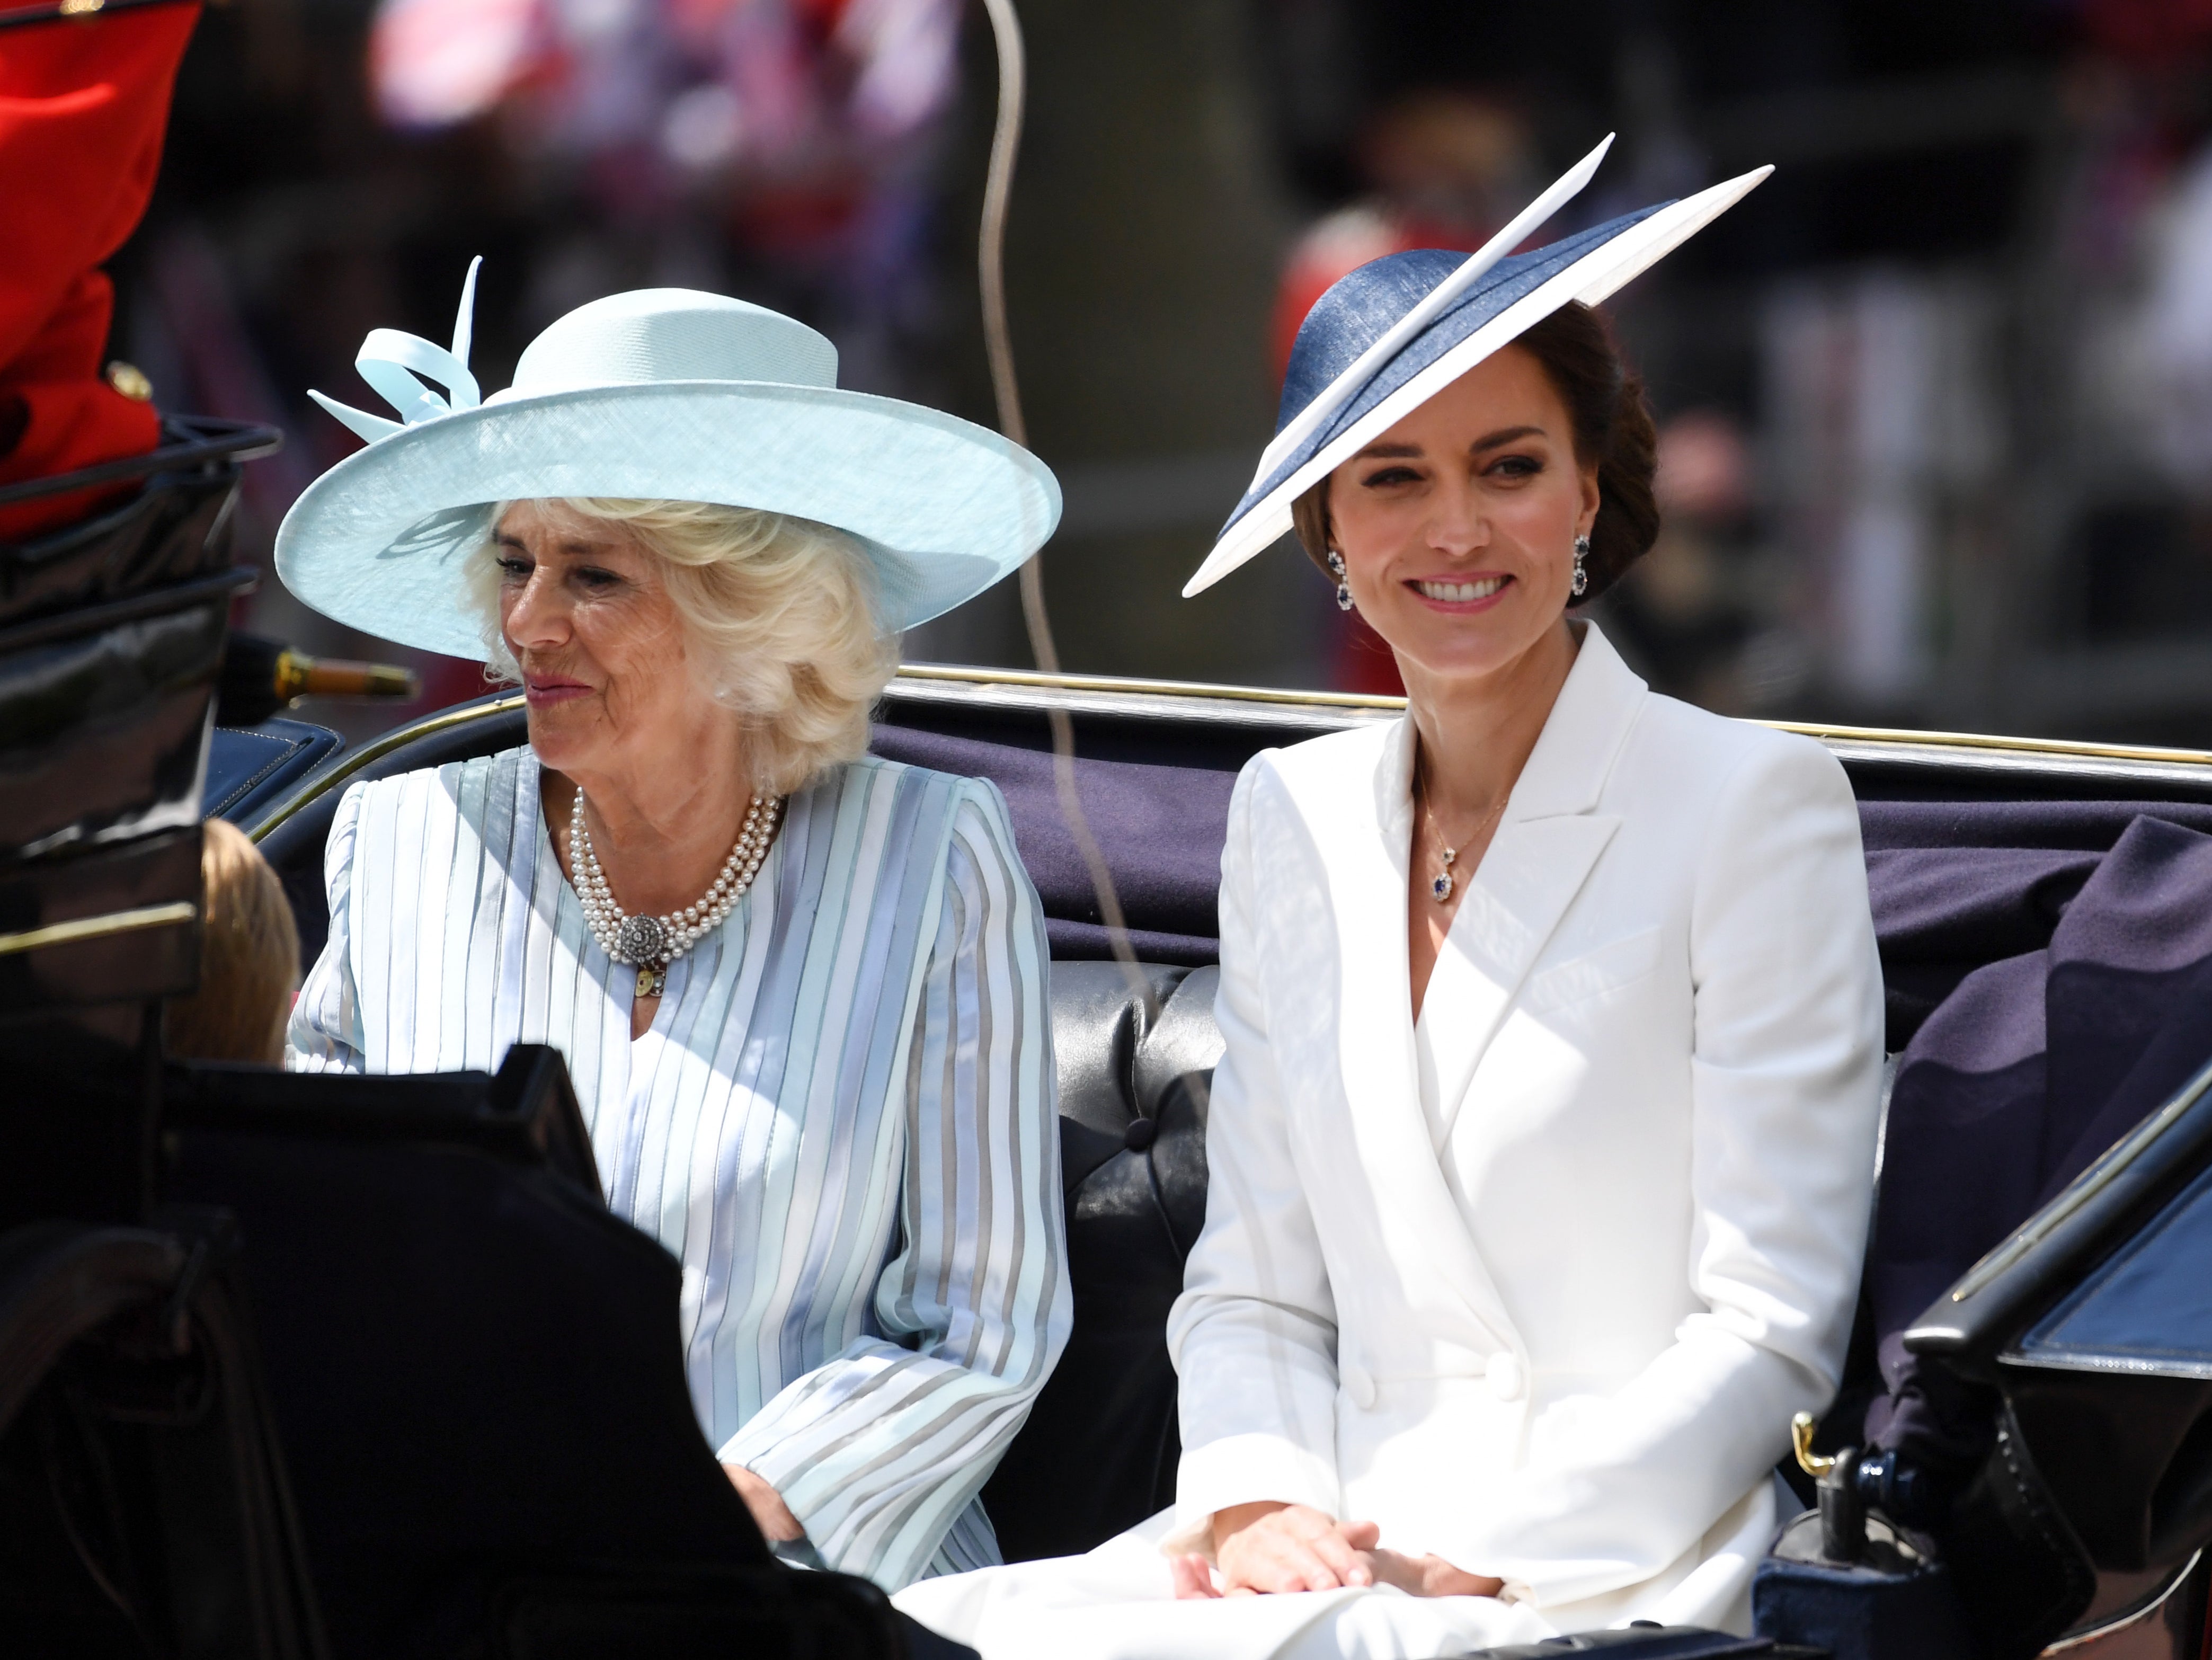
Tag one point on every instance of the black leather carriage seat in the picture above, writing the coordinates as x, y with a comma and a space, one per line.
1099, 1450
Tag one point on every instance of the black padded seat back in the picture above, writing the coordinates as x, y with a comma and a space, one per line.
1099, 1450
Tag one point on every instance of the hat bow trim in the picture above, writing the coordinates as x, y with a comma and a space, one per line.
392, 360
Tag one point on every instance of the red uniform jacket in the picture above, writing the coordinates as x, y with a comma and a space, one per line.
83, 105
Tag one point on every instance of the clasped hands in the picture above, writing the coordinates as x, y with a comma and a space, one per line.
1266, 1547
1270, 1547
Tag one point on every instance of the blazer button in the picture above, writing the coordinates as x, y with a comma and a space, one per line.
1359, 1384
1507, 1380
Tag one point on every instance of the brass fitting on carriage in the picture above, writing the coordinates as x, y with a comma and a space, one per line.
261, 676
1852, 1483
1843, 1513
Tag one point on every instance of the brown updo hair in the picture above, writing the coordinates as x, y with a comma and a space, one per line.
1612, 421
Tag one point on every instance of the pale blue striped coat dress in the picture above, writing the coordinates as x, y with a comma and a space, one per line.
841, 1122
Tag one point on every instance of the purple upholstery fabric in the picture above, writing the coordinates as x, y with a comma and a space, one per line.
2080, 826
2033, 1067
1956, 884
1160, 828
1942, 912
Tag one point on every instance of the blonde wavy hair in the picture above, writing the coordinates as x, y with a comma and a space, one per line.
249, 958
785, 617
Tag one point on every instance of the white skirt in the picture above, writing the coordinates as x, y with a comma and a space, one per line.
1118, 1602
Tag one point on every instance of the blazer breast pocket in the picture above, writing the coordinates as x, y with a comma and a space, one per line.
1612, 965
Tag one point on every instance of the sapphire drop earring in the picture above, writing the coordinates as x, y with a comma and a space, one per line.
1344, 588
1581, 584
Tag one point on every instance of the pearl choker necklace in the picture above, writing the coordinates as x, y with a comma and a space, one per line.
652, 943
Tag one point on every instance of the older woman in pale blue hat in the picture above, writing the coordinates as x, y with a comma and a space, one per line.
801, 991
1540, 1151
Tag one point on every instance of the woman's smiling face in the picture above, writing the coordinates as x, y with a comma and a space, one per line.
1457, 526
598, 639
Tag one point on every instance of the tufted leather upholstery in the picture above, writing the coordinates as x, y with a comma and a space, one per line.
1098, 1452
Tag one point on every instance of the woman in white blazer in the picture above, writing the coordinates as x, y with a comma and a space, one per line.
1541, 1149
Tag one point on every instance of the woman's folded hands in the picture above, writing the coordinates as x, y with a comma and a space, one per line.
1269, 1548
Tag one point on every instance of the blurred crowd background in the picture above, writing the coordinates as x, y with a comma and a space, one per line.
1935, 402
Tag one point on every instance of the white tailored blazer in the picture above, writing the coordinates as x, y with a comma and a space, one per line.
1552, 1327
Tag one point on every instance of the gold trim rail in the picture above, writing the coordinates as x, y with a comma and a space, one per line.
1347, 700
1030, 680
98, 927
1281, 697
320, 783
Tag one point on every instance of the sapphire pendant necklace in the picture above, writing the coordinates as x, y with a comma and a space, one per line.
1444, 883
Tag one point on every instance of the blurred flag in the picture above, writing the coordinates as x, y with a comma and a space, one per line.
708, 83
436, 63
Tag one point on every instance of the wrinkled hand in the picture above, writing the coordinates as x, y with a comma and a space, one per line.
770, 1514
1271, 1548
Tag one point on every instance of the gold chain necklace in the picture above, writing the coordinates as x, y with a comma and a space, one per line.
1442, 884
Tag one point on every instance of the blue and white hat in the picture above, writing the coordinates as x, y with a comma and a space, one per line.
1389, 337
664, 394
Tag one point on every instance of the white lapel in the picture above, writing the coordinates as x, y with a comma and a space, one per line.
1364, 822
1354, 798
1548, 840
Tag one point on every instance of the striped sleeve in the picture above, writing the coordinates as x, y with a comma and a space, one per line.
879, 1451
325, 1034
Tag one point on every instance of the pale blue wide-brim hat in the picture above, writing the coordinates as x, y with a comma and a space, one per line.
1390, 336
663, 394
